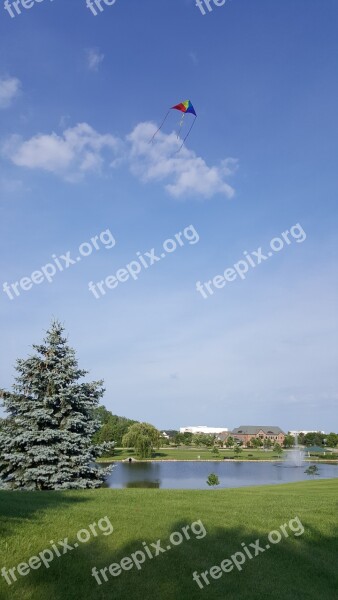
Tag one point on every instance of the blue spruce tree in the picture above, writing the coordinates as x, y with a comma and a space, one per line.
46, 441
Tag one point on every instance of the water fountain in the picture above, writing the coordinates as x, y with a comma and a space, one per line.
296, 456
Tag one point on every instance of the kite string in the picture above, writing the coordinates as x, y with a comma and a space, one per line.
180, 148
160, 127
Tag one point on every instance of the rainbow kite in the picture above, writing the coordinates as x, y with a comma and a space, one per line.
185, 107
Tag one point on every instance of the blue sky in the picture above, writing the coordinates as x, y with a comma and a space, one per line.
80, 95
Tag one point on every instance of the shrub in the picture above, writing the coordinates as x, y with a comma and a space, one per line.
212, 479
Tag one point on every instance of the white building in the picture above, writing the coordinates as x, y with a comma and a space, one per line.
203, 429
305, 432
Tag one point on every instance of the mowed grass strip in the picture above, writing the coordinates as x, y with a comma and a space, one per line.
194, 454
298, 568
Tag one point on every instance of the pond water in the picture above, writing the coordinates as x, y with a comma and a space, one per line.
193, 475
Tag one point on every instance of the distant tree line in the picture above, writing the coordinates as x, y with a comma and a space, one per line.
317, 438
197, 439
112, 427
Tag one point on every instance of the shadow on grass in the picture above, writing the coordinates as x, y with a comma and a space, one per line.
20, 506
297, 568
123, 451
159, 454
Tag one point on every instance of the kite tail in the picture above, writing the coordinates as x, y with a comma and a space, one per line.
180, 126
160, 127
180, 148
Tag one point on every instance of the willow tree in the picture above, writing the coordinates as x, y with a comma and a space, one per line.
143, 437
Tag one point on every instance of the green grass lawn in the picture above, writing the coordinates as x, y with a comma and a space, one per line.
182, 453
297, 568
186, 453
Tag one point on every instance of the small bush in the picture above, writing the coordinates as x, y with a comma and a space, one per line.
213, 479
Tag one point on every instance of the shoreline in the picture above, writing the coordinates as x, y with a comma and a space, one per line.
230, 460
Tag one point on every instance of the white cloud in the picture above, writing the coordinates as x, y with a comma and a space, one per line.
9, 89
78, 150
94, 58
185, 173
82, 149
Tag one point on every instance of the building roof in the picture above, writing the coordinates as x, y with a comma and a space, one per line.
314, 449
224, 435
254, 429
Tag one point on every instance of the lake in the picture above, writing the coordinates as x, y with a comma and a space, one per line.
193, 475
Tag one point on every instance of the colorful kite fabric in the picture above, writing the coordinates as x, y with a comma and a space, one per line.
185, 107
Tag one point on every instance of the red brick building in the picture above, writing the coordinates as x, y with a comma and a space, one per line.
245, 433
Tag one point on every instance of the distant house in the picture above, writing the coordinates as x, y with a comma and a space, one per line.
168, 433
245, 433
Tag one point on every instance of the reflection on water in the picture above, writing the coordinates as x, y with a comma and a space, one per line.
193, 475
143, 484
